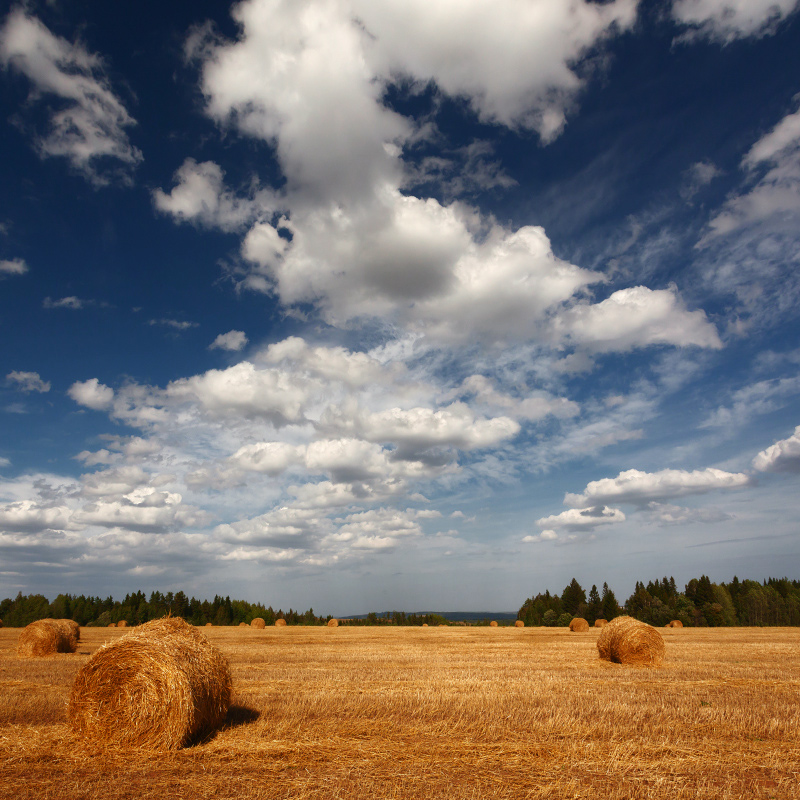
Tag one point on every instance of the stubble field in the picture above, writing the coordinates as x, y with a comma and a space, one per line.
450, 713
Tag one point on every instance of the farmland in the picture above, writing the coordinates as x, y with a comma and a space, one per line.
456, 712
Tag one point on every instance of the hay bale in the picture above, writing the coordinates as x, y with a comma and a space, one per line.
599, 623
209, 625
1, 623
243, 625
71, 629
280, 623
579, 625
111, 625
123, 623
258, 623
424, 624
493, 624
676, 623
45, 637
627, 641
159, 687
333, 623
519, 624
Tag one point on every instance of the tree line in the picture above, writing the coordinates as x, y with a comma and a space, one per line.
137, 608
775, 601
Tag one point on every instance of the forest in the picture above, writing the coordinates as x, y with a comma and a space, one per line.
773, 602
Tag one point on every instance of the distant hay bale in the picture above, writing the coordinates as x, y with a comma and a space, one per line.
627, 641
123, 623
519, 624
111, 625
333, 623
1, 623
493, 624
676, 623
599, 623
159, 687
258, 623
209, 625
243, 625
280, 623
579, 625
45, 637
424, 624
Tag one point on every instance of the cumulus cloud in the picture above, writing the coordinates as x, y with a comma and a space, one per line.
15, 266
87, 126
199, 197
28, 516
579, 519
637, 317
92, 394
28, 381
232, 341
72, 302
726, 20
639, 488
667, 514
783, 456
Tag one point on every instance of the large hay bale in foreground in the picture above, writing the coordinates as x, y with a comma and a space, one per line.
45, 637
600, 623
159, 687
579, 625
333, 623
627, 641
676, 623
258, 623
123, 623
280, 623
519, 624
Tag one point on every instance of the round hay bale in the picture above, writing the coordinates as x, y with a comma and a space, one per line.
519, 624
627, 641
45, 637
71, 628
1, 623
123, 623
209, 625
424, 624
243, 625
676, 623
258, 623
333, 623
579, 625
493, 624
599, 623
280, 623
159, 687
111, 625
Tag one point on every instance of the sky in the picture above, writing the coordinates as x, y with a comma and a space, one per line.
403, 305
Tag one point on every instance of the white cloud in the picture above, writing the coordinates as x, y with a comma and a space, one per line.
726, 20
89, 126
637, 317
758, 398
531, 406
178, 325
637, 487
232, 340
271, 458
16, 266
544, 536
200, 197
72, 302
28, 381
92, 394
28, 516
667, 514
580, 519
783, 456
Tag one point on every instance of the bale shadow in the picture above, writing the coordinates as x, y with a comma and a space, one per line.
239, 715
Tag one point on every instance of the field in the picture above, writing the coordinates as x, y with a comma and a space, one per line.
450, 713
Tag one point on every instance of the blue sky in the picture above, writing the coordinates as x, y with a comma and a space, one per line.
413, 305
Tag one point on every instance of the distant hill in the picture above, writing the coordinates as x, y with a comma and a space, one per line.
452, 616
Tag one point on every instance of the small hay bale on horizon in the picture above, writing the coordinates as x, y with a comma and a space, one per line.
578, 625
159, 687
519, 624
599, 623
333, 623
123, 623
258, 623
1, 623
111, 625
209, 625
44, 638
243, 625
676, 623
280, 623
493, 624
424, 624
628, 641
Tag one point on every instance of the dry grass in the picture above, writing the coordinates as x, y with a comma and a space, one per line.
459, 713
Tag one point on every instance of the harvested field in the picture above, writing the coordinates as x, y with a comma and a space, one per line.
458, 713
